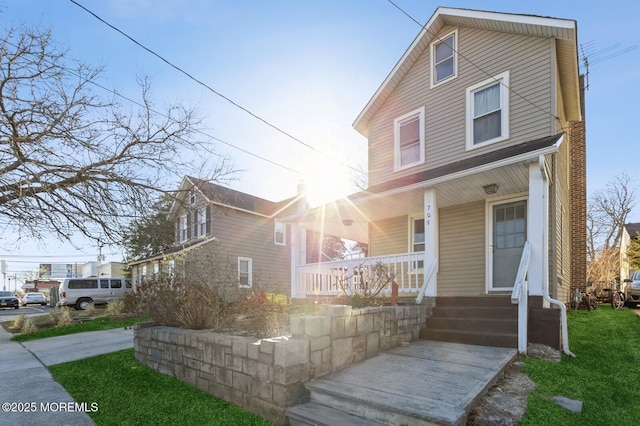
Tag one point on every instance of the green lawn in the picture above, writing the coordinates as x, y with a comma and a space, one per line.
101, 323
129, 393
605, 374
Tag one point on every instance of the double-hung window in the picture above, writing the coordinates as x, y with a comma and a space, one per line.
184, 228
444, 64
417, 238
488, 111
244, 272
280, 233
409, 139
201, 222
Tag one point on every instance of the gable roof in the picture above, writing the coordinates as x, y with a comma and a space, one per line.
227, 197
632, 229
563, 30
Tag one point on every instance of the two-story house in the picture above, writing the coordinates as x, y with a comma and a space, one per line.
220, 225
476, 154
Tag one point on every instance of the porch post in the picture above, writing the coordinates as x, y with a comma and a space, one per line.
537, 228
430, 238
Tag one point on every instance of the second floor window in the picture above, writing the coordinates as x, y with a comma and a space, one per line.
201, 222
409, 139
184, 228
488, 111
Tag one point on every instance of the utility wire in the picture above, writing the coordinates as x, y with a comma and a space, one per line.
424, 27
212, 90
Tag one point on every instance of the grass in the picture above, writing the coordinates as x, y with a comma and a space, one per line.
129, 393
101, 323
604, 375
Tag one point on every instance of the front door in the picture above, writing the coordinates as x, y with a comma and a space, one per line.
508, 237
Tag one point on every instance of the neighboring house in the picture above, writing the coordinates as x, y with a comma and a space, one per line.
629, 232
111, 269
476, 145
229, 228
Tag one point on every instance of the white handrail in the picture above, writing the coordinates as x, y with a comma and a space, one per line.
520, 296
427, 280
523, 268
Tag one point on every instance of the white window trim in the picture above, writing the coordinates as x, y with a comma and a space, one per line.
412, 219
420, 112
201, 225
184, 225
250, 271
503, 79
275, 233
439, 40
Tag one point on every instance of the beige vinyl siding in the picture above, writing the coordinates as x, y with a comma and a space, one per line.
389, 236
462, 250
242, 234
482, 54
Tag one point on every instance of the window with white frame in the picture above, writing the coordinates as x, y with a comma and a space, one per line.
280, 233
409, 139
444, 63
417, 238
488, 111
244, 272
156, 269
183, 230
171, 267
201, 222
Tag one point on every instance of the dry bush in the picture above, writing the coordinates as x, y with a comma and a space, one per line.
17, 322
28, 326
65, 317
90, 311
114, 307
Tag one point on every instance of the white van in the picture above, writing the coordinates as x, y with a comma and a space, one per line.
80, 292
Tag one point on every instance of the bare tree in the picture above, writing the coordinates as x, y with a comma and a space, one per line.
71, 160
607, 212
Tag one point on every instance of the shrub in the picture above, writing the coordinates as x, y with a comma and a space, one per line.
28, 326
114, 307
17, 323
64, 317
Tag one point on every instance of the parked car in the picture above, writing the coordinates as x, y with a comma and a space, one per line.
33, 298
631, 289
8, 300
81, 292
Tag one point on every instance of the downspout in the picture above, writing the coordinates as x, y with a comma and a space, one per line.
545, 285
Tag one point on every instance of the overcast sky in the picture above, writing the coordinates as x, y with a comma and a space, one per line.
308, 67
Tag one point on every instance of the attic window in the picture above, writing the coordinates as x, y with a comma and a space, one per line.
192, 198
444, 63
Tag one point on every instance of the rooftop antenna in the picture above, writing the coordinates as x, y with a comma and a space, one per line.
591, 56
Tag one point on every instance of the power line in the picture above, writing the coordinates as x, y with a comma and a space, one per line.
478, 67
212, 90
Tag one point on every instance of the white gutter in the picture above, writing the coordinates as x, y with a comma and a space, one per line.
545, 285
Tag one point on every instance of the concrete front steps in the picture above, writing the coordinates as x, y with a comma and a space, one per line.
484, 320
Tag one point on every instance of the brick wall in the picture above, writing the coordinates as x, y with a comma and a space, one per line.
578, 188
265, 376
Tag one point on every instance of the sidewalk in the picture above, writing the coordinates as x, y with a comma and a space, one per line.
29, 395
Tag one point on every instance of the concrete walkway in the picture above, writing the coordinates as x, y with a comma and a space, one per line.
427, 382
28, 393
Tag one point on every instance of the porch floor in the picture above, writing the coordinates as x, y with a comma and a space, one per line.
426, 382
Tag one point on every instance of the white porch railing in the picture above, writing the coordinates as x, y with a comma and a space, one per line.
351, 275
520, 296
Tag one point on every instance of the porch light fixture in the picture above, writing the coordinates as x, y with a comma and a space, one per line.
490, 189
347, 222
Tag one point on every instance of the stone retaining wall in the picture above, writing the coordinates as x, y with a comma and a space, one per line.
264, 376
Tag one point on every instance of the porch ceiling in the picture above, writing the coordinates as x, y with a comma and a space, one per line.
333, 218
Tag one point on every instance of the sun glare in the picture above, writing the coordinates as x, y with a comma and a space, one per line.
327, 185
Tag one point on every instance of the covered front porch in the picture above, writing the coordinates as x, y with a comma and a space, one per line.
448, 236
